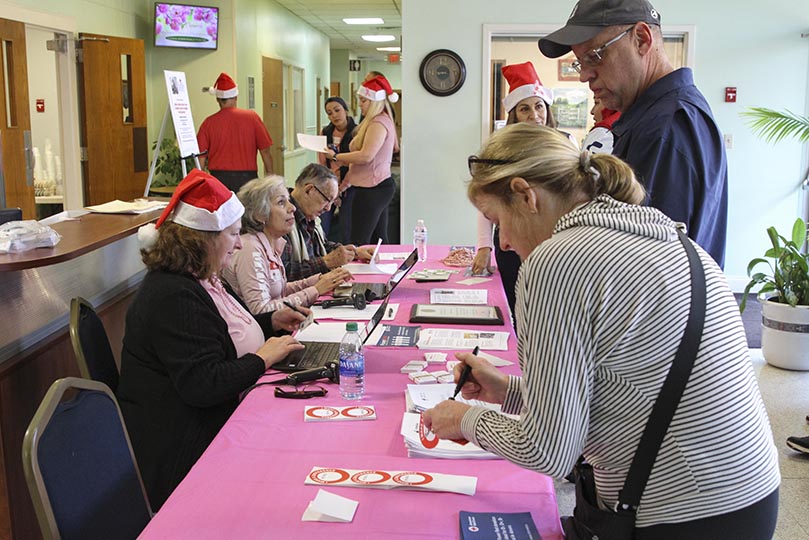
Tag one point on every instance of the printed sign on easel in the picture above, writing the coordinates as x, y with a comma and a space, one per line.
180, 107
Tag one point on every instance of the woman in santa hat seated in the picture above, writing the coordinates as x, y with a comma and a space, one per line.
527, 101
190, 346
371, 152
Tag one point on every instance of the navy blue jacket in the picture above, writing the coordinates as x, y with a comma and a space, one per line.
671, 140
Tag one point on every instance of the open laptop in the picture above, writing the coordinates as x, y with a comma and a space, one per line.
320, 353
382, 290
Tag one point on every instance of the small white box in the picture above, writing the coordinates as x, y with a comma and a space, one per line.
443, 376
413, 366
451, 365
422, 377
435, 357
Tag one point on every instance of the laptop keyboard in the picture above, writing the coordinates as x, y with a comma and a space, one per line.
316, 355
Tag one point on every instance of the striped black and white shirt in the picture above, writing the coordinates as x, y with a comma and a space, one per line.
602, 307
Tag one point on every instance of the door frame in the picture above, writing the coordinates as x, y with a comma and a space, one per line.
68, 94
494, 30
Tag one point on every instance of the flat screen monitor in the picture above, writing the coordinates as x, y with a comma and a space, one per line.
185, 26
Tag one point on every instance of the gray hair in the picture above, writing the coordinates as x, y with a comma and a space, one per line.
316, 174
257, 196
545, 157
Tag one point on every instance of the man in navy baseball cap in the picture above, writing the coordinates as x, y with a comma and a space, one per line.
666, 131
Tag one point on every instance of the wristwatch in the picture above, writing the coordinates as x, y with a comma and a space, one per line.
334, 157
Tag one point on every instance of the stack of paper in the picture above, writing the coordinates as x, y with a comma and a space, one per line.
458, 296
420, 398
420, 445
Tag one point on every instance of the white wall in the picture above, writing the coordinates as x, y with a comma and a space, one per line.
43, 84
759, 50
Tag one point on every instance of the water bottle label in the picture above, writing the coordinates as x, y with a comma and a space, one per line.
352, 367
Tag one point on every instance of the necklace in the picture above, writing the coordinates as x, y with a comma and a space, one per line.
229, 304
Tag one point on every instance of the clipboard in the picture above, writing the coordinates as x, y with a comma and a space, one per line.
456, 314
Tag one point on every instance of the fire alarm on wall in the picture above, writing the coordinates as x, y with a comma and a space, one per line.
730, 94
40, 105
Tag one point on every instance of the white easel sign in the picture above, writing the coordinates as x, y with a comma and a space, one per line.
181, 113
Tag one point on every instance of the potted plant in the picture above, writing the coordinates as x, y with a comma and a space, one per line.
168, 169
784, 292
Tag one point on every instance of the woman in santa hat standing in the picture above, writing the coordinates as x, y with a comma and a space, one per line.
190, 346
369, 158
527, 101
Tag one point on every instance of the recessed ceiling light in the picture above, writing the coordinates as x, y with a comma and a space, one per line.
379, 38
389, 49
367, 20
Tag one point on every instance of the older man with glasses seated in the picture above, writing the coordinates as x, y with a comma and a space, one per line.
307, 251
666, 132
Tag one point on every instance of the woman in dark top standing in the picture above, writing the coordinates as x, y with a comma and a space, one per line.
338, 134
190, 346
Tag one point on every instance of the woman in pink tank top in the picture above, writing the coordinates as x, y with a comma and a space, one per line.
371, 152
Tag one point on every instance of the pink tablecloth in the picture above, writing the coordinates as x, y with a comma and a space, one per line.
250, 481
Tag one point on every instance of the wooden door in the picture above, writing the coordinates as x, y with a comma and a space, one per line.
112, 99
272, 82
16, 157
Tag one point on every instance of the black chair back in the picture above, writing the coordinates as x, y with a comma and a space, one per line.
81, 471
10, 214
91, 345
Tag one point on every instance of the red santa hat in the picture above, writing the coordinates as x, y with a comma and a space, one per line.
200, 202
224, 87
378, 89
523, 82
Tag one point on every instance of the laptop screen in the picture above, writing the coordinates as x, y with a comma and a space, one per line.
403, 269
374, 322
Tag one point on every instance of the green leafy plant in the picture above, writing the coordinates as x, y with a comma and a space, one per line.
774, 126
169, 170
788, 275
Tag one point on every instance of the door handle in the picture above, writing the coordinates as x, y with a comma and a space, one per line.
30, 160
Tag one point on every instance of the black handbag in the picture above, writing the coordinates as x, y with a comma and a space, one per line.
589, 522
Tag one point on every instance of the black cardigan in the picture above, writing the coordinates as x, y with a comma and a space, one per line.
180, 377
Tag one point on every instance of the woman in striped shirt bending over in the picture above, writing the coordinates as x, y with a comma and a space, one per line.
602, 300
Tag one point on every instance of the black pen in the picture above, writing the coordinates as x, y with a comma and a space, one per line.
296, 310
467, 370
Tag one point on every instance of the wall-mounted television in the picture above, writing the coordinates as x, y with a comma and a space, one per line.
185, 26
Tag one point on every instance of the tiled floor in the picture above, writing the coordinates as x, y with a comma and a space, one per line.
786, 396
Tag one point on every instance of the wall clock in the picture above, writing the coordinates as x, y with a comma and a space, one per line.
442, 72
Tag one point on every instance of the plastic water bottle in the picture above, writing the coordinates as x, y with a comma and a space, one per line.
352, 364
420, 240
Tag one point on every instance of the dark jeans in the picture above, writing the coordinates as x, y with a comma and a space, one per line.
369, 213
508, 264
754, 522
337, 222
234, 180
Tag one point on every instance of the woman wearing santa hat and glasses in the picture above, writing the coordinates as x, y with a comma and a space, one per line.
190, 346
527, 101
371, 152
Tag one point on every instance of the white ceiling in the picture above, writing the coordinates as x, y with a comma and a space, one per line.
327, 16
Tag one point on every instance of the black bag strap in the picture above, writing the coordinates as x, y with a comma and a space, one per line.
672, 390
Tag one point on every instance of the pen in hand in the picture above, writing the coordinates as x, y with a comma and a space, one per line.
467, 370
296, 310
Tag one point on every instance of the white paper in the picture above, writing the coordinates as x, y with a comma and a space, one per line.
316, 143
473, 281
350, 313
121, 207
393, 256
422, 398
440, 338
67, 215
495, 360
445, 449
371, 268
459, 296
331, 508
324, 332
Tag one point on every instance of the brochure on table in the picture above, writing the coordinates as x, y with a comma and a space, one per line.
450, 339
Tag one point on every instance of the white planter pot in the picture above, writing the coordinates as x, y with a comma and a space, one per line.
785, 335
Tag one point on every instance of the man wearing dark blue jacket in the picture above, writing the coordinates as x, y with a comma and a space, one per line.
666, 131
